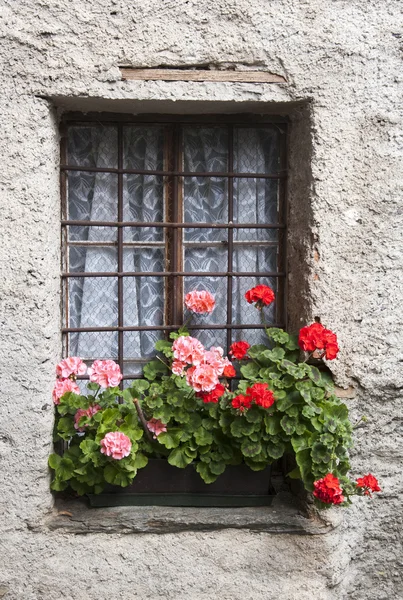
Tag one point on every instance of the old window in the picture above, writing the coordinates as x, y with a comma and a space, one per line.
155, 207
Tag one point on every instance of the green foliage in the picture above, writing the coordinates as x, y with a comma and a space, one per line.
306, 419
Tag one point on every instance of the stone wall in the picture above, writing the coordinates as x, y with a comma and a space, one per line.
342, 63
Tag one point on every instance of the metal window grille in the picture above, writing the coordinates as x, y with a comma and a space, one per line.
234, 232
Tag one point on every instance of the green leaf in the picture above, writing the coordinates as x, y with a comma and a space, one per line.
277, 335
290, 399
58, 486
304, 463
140, 461
154, 369
88, 447
93, 386
203, 437
204, 471
251, 449
275, 355
254, 415
65, 469
217, 468
240, 427
256, 350
275, 451
178, 458
250, 370
165, 347
272, 423
54, 461
289, 424
115, 476
170, 439
302, 442
255, 466
320, 453
292, 343
314, 374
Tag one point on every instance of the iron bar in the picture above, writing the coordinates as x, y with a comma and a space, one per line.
120, 250
230, 232
174, 274
84, 223
175, 173
166, 327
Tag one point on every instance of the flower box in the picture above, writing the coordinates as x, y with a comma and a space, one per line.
161, 484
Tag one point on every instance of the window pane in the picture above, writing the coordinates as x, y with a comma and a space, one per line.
83, 233
255, 259
255, 201
143, 147
206, 259
139, 348
205, 149
91, 345
92, 301
93, 259
92, 196
143, 200
143, 300
92, 146
256, 150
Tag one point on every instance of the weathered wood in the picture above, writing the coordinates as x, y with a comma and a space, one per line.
200, 75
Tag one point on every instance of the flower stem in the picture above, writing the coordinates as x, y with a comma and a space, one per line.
142, 418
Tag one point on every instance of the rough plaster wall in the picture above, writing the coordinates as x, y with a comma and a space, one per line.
342, 59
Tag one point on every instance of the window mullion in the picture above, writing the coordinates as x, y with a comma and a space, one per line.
120, 250
230, 231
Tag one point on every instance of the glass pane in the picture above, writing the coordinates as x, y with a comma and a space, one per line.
92, 196
93, 259
256, 150
83, 233
205, 234
255, 259
143, 198
205, 149
255, 200
92, 301
205, 201
143, 147
206, 259
92, 146
91, 345
143, 300
252, 336
244, 313
139, 346
141, 260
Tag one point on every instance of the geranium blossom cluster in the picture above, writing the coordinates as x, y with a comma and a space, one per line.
258, 394
105, 373
202, 367
85, 412
261, 295
328, 489
116, 444
200, 301
316, 338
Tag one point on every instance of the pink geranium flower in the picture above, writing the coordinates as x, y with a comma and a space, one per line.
73, 365
178, 367
156, 427
214, 357
188, 350
85, 412
200, 302
116, 444
202, 378
63, 386
105, 372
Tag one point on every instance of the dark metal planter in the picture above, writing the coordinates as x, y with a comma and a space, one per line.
160, 484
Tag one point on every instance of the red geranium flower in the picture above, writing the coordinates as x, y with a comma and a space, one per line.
239, 349
261, 395
316, 337
261, 295
369, 483
229, 371
212, 396
241, 402
328, 490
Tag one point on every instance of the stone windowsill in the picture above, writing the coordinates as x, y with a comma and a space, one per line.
285, 515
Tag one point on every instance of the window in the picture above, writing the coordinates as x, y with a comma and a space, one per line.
156, 207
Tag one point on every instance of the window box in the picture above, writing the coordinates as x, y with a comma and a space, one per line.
161, 484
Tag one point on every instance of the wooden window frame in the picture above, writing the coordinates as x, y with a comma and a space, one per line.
173, 175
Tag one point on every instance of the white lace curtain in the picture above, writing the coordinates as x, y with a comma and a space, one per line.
92, 301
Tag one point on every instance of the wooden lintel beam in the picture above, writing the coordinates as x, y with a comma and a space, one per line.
200, 75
